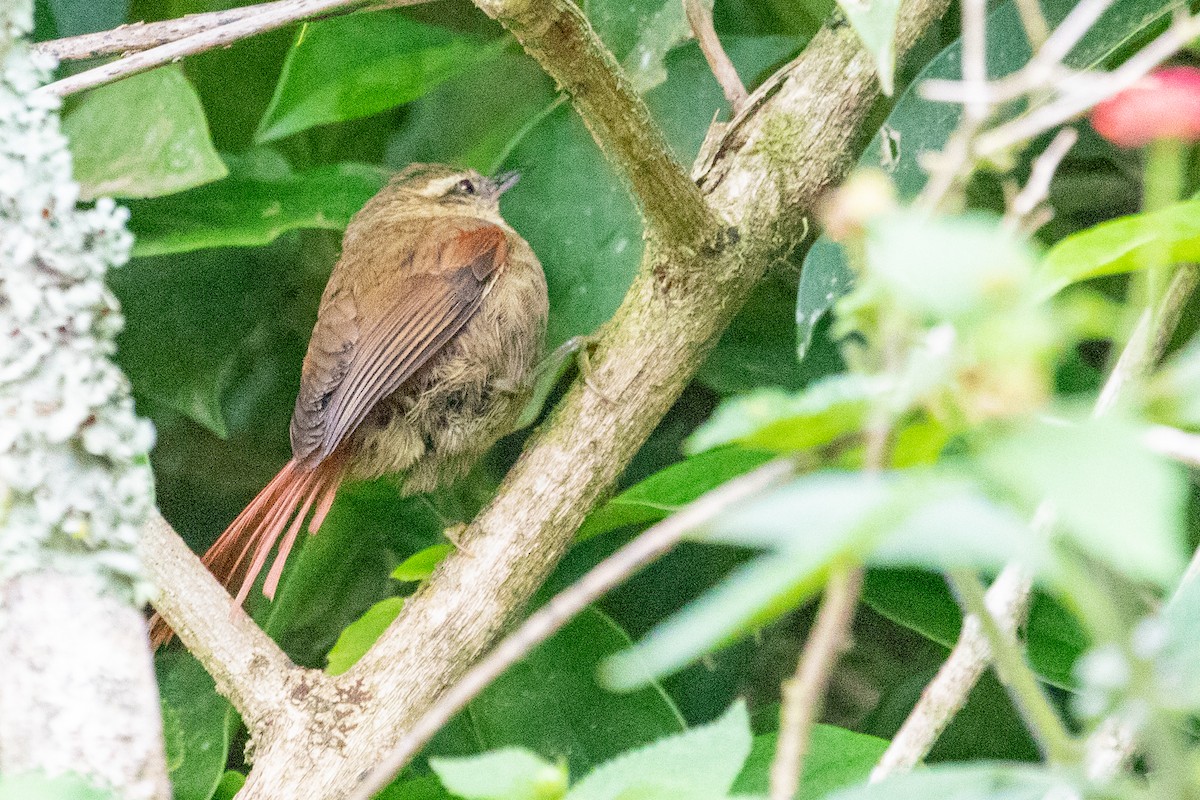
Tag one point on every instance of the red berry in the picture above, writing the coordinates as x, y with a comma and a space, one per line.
1163, 105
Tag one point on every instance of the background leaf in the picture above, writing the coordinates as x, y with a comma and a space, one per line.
359, 64
143, 136
196, 724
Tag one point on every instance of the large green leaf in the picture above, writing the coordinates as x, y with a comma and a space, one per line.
359, 64
836, 758
1126, 244
701, 763
143, 136
511, 773
76, 17
356, 639
260, 200
186, 320
664, 492
1114, 498
916, 125
195, 725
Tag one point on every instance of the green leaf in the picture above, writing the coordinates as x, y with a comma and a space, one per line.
260, 200
836, 757
231, 783
669, 489
917, 125
77, 17
814, 523
195, 724
645, 64
875, 23
919, 259
778, 421
360, 64
32, 786
969, 782
700, 763
510, 774
421, 564
551, 703
143, 136
1125, 244
1175, 666
359, 635
465, 121
1118, 501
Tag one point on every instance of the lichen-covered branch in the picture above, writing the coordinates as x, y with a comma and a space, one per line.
77, 692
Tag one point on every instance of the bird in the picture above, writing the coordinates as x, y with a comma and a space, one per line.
427, 339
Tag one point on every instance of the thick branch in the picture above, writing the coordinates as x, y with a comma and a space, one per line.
247, 666
62, 711
780, 156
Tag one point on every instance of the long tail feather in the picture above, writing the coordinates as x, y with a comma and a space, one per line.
240, 553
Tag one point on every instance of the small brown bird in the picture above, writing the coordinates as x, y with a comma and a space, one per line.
426, 342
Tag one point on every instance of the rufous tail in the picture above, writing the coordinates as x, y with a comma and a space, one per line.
273, 517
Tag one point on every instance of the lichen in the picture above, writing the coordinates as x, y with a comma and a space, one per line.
75, 482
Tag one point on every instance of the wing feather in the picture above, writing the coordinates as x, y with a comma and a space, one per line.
354, 362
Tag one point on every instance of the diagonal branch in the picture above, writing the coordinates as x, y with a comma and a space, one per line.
247, 666
705, 253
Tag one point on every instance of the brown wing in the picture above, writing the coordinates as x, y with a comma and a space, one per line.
370, 339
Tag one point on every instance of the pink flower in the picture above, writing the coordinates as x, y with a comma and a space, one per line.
1163, 105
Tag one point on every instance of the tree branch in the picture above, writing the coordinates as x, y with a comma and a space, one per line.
270, 17
561, 39
563, 607
138, 36
804, 692
247, 666
697, 271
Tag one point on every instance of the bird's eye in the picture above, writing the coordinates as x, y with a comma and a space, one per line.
465, 186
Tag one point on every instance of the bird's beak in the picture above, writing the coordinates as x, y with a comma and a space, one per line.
505, 181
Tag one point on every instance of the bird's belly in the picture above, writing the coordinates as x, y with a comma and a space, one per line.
434, 428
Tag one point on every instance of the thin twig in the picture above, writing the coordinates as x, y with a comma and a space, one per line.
138, 36
1034, 23
974, 56
280, 14
1070, 105
563, 607
944, 696
1037, 188
804, 692
1041, 718
699, 15
1172, 443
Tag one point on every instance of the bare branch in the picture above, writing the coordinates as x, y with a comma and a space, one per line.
138, 36
1037, 188
804, 692
276, 16
248, 667
542, 624
699, 14
947, 693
